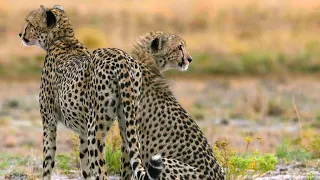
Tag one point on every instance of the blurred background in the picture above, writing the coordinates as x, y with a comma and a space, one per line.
254, 72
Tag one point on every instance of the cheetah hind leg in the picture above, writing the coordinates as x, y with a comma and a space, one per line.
96, 149
155, 166
84, 159
174, 169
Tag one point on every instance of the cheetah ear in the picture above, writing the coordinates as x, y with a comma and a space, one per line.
51, 19
43, 9
157, 44
58, 7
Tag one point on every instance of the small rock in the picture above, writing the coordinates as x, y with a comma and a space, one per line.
283, 173
300, 165
224, 121
16, 176
13, 103
283, 169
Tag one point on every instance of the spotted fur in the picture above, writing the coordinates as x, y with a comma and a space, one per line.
162, 50
164, 126
127, 124
84, 92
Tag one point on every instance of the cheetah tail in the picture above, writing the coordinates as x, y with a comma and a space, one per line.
155, 167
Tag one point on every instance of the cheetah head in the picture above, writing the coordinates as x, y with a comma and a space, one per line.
170, 52
41, 26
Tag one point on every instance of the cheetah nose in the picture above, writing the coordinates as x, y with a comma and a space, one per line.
189, 59
20, 34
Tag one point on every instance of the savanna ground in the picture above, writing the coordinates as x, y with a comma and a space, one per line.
253, 83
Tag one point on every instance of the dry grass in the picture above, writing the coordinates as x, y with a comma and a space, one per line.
227, 36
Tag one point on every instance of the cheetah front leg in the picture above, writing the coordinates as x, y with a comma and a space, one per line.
84, 159
125, 168
126, 171
49, 145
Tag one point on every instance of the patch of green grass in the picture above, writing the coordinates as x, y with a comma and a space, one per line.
75, 149
310, 140
22, 66
251, 166
64, 162
315, 146
290, 152
3, 165
311, 176
113, 156
197, 114
318, 117
198, 111
304, 148
28, 66
2, 70
7, 161
253, 61
256, 62
243, 165
112, 152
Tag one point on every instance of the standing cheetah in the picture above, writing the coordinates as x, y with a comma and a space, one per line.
85, 93
164, 126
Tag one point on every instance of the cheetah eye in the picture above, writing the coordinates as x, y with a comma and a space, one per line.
29, 25
180, 47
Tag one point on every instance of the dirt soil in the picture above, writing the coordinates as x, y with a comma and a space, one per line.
226, 108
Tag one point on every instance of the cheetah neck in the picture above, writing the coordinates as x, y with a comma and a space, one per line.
141, 49
62, 30
152, 79
143, 57
57, 40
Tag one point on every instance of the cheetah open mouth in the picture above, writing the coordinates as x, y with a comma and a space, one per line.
25, 41
185, 61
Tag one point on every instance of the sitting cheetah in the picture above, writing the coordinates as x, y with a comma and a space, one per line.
164, 126
85, 93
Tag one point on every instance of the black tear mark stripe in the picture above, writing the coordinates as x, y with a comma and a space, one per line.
182, 60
